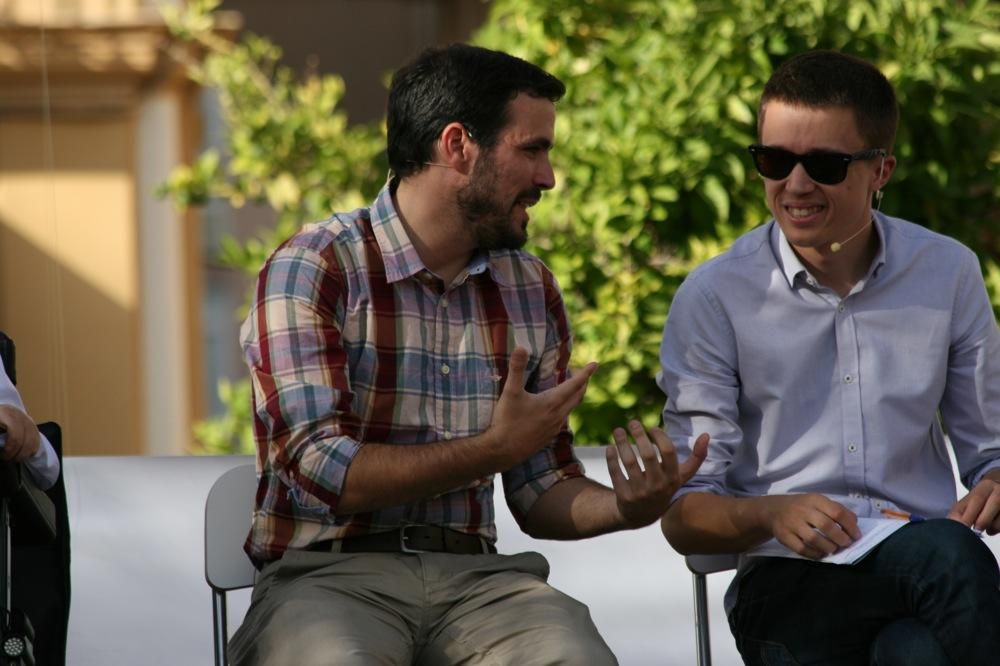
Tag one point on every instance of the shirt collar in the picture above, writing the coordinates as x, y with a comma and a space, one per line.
398, 254
792, 266
400, 257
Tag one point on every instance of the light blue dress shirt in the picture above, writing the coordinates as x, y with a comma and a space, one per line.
43, 467
804, 391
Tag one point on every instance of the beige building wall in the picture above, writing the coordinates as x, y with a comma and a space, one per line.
95, 270
68, 288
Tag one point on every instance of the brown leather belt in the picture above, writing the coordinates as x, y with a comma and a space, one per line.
409, 539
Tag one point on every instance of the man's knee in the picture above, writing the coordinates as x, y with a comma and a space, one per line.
950, 547
907, 642
312, 646
581, 648
572, 637
301, 633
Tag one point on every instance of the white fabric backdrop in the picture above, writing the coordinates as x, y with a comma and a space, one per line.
140, 599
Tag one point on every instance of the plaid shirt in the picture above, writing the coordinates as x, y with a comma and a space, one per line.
351, 339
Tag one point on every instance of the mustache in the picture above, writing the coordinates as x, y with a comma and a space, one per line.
530, 196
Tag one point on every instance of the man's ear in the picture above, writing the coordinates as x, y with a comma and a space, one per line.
883, 172
455, 148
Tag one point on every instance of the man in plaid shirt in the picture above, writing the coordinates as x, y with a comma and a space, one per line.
401, 356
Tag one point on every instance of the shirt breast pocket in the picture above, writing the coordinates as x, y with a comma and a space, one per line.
485, 392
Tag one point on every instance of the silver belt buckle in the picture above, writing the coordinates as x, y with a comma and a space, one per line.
403, 547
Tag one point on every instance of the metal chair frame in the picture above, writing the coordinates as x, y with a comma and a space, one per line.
700, 566
228, 508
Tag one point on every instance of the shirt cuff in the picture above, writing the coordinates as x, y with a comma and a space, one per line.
995, 464
43, 467
521, 500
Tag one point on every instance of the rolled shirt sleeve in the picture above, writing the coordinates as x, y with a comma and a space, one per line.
525, 483
298, 366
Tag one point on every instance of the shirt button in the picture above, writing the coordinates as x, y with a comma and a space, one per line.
444, 301
841, 308
852, 447
848, 379
445, 369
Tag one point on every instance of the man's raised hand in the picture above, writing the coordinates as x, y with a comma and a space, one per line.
644, 493
524, 422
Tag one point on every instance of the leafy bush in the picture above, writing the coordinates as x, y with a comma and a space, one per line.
651, 147
651, 157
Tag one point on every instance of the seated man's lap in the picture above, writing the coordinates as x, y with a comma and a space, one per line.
433, 608
938, 572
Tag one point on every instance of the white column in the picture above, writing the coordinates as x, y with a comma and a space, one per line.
163, 312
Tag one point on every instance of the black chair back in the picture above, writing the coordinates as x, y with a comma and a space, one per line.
39, 539
9, 357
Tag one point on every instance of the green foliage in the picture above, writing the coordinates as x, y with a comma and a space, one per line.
288, 142
651, 157
651, 147
233, 431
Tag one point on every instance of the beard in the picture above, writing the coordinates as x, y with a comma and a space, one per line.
489, 219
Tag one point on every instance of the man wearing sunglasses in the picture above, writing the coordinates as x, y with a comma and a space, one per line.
822, 354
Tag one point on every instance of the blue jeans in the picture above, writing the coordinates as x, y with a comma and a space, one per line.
927, 595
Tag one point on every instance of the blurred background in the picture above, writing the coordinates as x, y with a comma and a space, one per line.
152, 153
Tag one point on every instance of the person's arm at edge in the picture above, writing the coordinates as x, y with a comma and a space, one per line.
22, 441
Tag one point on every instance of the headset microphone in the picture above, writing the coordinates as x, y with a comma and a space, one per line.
835, 246
878, 192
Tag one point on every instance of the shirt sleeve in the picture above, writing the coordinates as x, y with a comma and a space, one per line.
555, 462
43, 466
698, 374
970, 407
306, 432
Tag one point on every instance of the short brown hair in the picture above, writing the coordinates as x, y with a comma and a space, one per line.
824, 78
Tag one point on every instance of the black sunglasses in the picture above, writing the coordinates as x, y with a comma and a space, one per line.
826, 168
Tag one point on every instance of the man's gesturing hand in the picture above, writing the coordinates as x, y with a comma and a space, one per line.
22, 435
645, 493
524, 422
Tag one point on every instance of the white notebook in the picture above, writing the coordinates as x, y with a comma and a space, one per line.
873, 532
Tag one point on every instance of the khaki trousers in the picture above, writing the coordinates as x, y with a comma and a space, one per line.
426, 609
